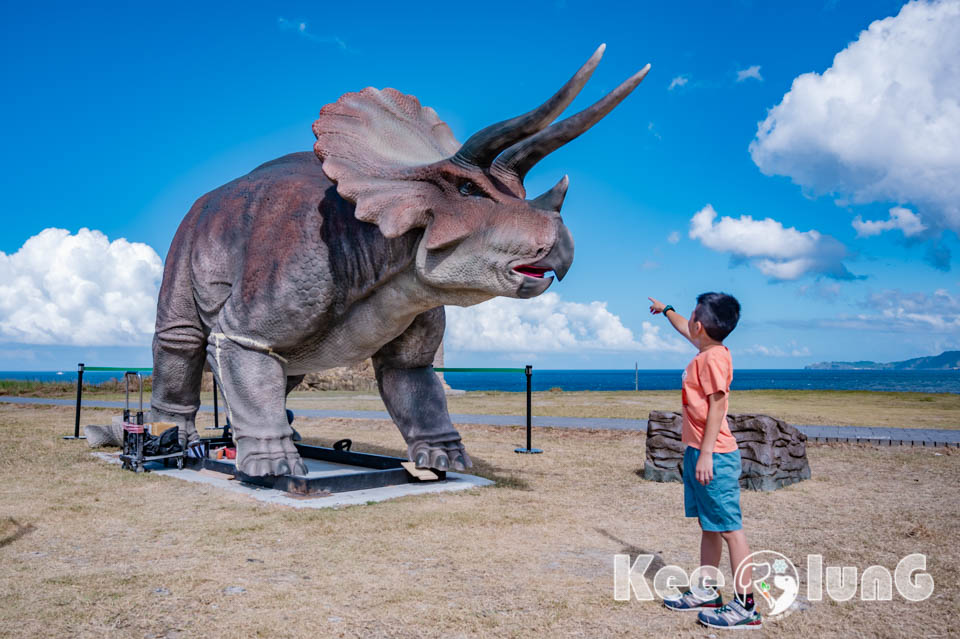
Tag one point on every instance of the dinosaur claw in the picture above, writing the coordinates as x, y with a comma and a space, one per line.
422, 460
266, 457
439, 456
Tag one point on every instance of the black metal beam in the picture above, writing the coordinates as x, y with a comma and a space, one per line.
379, 471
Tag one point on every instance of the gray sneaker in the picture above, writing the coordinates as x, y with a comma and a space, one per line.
693, 601
733, 616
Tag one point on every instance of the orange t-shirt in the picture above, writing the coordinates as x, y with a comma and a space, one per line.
709, 372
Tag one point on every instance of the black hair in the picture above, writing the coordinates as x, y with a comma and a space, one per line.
718, 313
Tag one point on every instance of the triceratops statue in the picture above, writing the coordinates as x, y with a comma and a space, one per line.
323, 259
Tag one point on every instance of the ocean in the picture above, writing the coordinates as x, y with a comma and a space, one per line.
947, 381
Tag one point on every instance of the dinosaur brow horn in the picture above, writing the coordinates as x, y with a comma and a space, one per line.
486, 144
522, 156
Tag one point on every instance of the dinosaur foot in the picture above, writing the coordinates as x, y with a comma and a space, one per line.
276, 456
440, 455
187, 427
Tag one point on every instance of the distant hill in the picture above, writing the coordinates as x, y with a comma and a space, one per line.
947, 360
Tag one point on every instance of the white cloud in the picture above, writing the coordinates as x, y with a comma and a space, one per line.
79, 289
883, 122
779, 253
547, 324
791, 350
749, 73
678, 81
938, 311
894, 311
300, 28
674, 237
905, 220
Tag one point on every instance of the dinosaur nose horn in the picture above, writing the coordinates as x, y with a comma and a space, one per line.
552, 200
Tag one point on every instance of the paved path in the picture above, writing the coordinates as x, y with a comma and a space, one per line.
868, 434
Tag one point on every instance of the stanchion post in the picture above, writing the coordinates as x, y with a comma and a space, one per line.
529, 374
529, 450
76, 420
216, 408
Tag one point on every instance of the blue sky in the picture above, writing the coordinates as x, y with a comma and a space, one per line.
119, 117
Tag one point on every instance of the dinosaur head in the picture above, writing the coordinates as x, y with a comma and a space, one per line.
481, 237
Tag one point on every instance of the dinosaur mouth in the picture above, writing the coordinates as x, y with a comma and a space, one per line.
557, 261
532, 271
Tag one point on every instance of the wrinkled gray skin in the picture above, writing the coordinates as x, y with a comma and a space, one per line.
328, 290
313, 261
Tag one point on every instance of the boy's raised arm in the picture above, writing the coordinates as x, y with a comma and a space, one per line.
678, 321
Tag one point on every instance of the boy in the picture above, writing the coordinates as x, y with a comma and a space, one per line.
711, 461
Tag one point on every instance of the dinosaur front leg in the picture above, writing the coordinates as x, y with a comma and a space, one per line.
254, 384
415, 399
414, 396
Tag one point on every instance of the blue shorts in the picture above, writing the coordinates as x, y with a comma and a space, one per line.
717, 504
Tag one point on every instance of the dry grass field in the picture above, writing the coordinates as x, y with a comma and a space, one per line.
89, 550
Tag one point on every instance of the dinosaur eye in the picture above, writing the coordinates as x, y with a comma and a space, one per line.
469, 188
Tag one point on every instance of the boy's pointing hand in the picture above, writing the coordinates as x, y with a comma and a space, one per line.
656, 306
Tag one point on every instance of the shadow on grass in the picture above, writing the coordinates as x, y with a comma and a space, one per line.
626, 548
19, 530
502, 477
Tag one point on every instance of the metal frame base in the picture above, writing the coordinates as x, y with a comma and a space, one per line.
381, 471
527, 451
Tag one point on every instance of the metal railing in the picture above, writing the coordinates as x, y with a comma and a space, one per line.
527, 370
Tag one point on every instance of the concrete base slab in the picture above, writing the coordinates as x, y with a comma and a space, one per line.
453, 482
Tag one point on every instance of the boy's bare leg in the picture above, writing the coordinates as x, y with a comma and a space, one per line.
711, 547
739, 550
